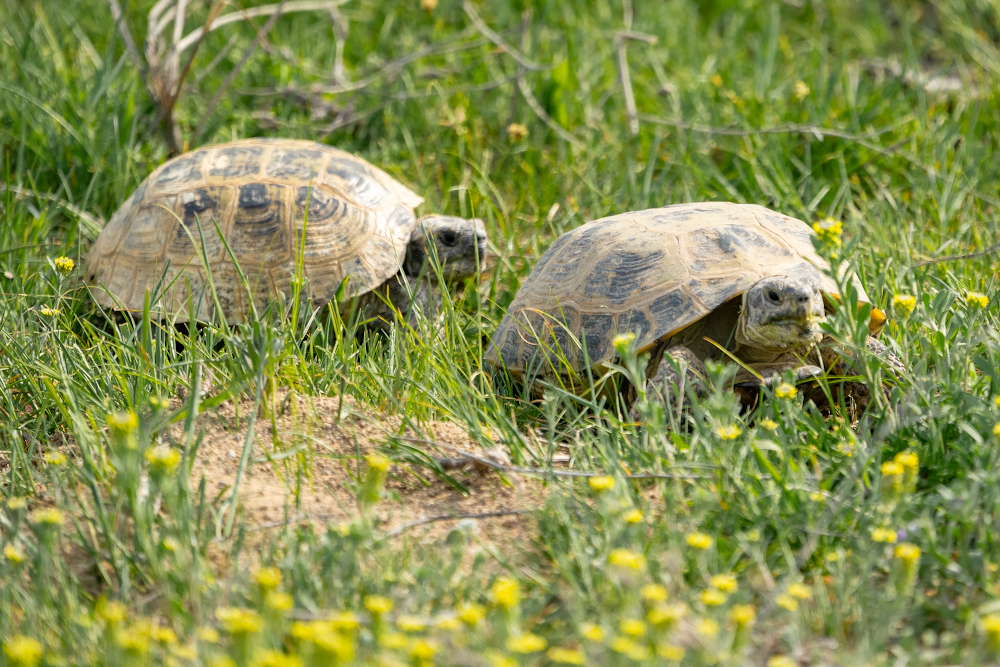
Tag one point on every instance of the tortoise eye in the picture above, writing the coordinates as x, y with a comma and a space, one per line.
449, 237
773, 297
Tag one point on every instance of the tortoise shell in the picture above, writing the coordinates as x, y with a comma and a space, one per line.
272, 200
651, 273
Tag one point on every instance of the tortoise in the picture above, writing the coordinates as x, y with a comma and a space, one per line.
685, 280
264, 196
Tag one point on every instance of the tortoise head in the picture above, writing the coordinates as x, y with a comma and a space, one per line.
782, 314
459, 245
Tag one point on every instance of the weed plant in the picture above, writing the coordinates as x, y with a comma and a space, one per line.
781, 536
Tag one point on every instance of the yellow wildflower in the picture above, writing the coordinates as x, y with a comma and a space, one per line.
786, 601
332, 648
716, 80
801, 90
411, 624
423, 650
517, 132
996, 401
23, 651
991, 626
55, 458
278, 601
345, 620
670, 652
977, 299
829, 231
816, 496
654, 593
627, 559
592, 632
49, 516
903, 305
730, 432
17, 503
122, 423
713, 597
566, 656
724, 582
743, 615
163, 460
394, 640
800, 591
133, 641
633, 627
907, 552
428, 5
632, 516
526, 643
786, 390
706, 627
497, 659
622, 342
601, 483
271, 658
63, 264
884, 535
768, 424
506, 592
667, 614
472, 614
164, 636
996, 429
207, 635
699, 540
13, 554
239, 621
892, 474
626, 646
448, 623
781, 661
267, 578
378, 604
113, 612
378, 462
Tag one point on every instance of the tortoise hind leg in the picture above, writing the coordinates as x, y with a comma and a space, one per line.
679, 368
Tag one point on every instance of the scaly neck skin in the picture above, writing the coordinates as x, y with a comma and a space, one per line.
761, 344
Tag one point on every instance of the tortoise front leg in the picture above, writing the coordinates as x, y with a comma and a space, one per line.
671, 385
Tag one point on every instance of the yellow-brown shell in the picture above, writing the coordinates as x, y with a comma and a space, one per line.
651, 273
257, 191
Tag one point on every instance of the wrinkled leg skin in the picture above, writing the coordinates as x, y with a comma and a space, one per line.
668, 384
856, 395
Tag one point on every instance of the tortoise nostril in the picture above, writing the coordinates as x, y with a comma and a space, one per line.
773, 297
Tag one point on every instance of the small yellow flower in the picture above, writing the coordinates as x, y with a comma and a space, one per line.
627, 559
495, 659
626, 646
271, 658
622, 342
743, 615
991, 626
892, 473
49, 312
164, 636
506, 592
122, 423
996, 401
977, 299
829, 231
781, 661
816, 497
472, 614
13, 554
730, 432
592, 632
884, 535
801, 90
566, 656
207, 635
846, 448
706, 627
699, 541
113, 612
601, 483
667, 614
517, 132
428, 5
633, 627
163, 460
724, 582
996, 429
713, 597
411, 624
632, 516
23, 651
46, 517
63, 264
239, 621
134, 641
800, 591
909, 460
448, 623
526, 643
768, 424
904, 304
394, 640
786, 390
345, 620
906, 552
716, 80
332, 648
654, 593
267, 578
17, 503
670, 652
423, 650
786, 601
55, 458
378, 462
378, 604
278, 601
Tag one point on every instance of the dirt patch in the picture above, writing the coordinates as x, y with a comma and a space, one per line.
315, 454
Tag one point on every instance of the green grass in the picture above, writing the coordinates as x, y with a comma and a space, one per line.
912, 173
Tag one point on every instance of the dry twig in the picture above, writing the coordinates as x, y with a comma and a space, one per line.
529, 97
498, 40
949, 258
